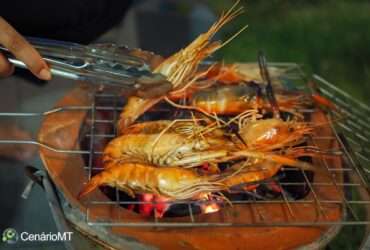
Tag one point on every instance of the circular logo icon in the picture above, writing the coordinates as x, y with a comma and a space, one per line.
10, 236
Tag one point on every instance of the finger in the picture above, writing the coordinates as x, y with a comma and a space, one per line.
6, 68
23, 51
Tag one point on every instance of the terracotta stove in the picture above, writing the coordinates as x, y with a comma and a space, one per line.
84, 124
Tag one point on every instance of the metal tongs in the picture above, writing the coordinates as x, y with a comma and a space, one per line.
107, 64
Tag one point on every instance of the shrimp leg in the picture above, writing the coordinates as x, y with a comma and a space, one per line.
276, 158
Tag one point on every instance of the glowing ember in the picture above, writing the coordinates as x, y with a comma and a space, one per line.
153, 203
161, 205
210, 208
147, 207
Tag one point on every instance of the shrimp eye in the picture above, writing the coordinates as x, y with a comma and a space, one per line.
290, 129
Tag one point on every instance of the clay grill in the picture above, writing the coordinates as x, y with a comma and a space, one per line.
308, 210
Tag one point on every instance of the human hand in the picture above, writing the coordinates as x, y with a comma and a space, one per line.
22, 50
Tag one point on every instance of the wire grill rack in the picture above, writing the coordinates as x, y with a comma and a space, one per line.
349, 183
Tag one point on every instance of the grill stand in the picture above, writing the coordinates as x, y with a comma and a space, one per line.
61, 130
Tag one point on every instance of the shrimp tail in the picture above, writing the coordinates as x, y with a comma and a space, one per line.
94, 183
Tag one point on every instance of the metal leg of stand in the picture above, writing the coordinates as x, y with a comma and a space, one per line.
42, 178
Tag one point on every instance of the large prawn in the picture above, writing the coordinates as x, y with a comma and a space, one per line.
187, 144
235, 99
181, 68
278, 141
242, 95
172, 182
235, 73
176, 183
167, 143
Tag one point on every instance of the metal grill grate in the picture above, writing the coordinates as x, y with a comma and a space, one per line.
348, 183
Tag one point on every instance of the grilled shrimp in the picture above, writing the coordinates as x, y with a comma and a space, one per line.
180, 69
172, 182
175, 183
235, 99
186, 127
166, 143
227, 100
246, 72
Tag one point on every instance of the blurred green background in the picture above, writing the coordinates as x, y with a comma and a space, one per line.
330, 38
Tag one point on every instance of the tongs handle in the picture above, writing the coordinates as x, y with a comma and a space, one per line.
108, 64
55, 53
83, 53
